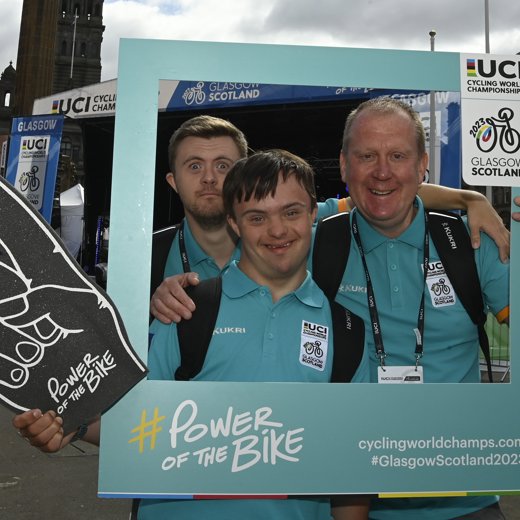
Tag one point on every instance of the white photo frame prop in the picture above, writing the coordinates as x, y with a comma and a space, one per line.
293, 438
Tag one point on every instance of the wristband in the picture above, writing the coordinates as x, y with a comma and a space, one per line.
82, 430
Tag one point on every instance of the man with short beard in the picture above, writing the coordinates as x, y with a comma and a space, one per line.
200, 153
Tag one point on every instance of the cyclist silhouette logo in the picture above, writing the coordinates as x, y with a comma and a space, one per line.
496, 130
194, 94
29, 180
440, 287
313, 348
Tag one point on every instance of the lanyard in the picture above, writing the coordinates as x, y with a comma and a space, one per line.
372, 308
182, 249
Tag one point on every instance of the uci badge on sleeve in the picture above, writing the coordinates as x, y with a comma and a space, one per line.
314, 345
63, 345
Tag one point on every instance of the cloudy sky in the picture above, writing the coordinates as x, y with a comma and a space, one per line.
389, 24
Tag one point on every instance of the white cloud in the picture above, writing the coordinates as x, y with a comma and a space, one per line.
10, 14
400, 24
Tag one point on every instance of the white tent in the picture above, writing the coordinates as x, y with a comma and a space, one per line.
72, 206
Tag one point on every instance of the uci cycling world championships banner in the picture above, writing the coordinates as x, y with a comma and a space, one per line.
34, 153
490, 115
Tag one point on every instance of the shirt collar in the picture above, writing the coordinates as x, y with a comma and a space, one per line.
236, 284
413, 235
195, 253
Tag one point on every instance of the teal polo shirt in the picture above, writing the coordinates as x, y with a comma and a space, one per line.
200, 261
451, 343
205, 265
254, 340
330, 207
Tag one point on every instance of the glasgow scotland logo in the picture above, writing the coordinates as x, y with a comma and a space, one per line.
496, 130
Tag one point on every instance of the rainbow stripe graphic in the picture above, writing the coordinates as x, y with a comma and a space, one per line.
448, 494
485, 132
470, 67
55, 107
193, 497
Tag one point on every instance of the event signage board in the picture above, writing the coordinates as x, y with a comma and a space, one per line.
168, 439
99, 100
490, 106
34, 152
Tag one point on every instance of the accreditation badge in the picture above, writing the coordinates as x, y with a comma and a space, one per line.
404, 374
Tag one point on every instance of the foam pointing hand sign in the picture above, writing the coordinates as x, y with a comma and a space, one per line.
63, 345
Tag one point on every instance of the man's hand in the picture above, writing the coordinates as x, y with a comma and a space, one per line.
483, 217
42, 430
481, 214
516, 214
170, 303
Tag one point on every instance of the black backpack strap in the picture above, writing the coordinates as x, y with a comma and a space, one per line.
453, 243
349, 343
195, 335
161, 243
329, 259
330, 253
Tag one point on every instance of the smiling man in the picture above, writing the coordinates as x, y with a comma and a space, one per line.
383, 161
269, 308
267, 297
274, 222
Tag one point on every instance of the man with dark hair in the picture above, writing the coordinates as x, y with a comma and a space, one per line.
268, 295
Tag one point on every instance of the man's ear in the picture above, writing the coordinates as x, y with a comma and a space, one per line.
343, 166
423, 165
233, 225
170, 179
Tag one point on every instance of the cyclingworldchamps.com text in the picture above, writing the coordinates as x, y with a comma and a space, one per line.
435, 442
386, 452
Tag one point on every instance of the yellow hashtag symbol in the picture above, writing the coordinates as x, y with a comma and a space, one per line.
147, 429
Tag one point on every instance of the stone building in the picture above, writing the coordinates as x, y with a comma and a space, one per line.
59, 49
79, 33
7, 85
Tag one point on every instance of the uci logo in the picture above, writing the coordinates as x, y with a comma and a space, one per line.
77, 106
315, 328
506, 69
35, 144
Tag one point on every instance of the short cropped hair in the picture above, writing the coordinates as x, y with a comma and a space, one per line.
257, 176
206, 127
386, 105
